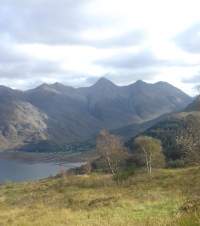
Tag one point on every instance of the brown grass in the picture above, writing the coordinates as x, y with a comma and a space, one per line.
171, 197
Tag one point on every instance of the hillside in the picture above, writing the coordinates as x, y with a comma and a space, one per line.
171, 197
60, 114
194, 106
20, 121
134, 129
171, 127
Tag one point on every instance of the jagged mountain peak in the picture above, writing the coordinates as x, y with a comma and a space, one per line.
60, 86
57, 85
6, 91
163, 84
46, 88
139, 82
104, 82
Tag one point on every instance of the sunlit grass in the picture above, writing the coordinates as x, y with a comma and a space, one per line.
98, 200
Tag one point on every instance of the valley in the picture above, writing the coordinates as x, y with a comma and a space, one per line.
99, 113
79, 187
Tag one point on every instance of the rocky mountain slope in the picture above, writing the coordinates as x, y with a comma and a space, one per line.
64, 114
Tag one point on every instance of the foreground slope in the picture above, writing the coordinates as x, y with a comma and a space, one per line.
61, 114
171, 197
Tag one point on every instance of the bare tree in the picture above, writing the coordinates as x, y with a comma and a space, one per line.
111, 149
86, 168
198, 88
63, 172
149, 150
189, 143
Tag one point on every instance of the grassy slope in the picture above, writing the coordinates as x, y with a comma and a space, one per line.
97, 200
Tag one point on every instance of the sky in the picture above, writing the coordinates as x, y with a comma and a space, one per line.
75, 42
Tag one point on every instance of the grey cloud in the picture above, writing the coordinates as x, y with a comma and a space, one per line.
46, 67
189, 40
59, 22
132, 38
9, 53
132, 60
14, 64
193, 79
31, 67
22, 71
43, 21
141, 60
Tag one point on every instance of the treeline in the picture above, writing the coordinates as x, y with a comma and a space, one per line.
174, 142
167, 132
116, 159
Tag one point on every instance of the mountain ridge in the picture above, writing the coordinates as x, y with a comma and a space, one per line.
65, 114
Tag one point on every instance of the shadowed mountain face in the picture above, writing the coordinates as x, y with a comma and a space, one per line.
64, 114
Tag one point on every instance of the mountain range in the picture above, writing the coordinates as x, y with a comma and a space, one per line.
63, 114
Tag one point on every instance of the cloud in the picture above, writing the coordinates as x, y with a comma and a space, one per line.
189, 39
17, 65
193, 79
44, 21
61, 22
28, 68
127, 39
9, 52
82, 40
141, 59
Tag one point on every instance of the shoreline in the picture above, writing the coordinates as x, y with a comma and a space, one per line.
65, 157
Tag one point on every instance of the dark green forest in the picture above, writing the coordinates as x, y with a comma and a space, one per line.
169, 131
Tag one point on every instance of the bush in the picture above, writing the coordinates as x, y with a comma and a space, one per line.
178, 163
126, 173
8, 184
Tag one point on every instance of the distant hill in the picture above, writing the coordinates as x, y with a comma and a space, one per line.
134, 129
60, 114
194, 106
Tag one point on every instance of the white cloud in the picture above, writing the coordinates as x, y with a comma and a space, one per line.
76, 42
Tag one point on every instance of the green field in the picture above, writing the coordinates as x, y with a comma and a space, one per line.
170, 197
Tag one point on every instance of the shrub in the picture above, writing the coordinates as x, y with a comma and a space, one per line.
126, 173
178, 163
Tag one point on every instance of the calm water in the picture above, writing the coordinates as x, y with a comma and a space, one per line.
21, 172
